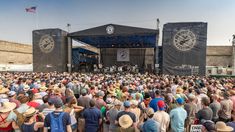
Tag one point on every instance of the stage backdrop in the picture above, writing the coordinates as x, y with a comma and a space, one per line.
50, 50
184, 48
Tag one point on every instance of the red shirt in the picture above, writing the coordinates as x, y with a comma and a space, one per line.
33, 104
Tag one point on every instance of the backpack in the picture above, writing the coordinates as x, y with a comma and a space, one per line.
57, 122
20, 118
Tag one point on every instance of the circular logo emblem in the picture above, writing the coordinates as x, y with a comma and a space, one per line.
123, 54
110, 29
46, 43
184, 40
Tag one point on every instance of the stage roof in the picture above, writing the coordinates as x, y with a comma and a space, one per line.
117, 36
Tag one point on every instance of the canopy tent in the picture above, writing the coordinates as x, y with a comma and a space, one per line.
117, 36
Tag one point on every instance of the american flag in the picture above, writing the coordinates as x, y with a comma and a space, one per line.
31, 9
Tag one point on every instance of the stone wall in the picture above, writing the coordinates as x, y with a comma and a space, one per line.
219, 56
15, 53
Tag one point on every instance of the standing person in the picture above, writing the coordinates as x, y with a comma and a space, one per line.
12, 98
83, 101
153, 102
134, 109
45, 103
113, 114
226, 108
162, 117
205, 113
5, 109
126, 111
70, 108
30, 124
215, 107
100, 101
92, 118
191, 108
58, 121
14, 115
150, 125
178, 116
232, 123
232, 97
50, 108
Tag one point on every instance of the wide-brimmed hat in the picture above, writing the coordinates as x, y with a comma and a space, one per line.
26, 87
111, 90
30, 112
11, 93
220, 86
3, 90
204, 90
57, 91
125, 121
232, 92
221, 126
43, 88
134, 102
7, 106
117, 102
179, 90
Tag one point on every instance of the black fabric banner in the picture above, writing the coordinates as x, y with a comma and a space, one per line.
184, 48
50, 50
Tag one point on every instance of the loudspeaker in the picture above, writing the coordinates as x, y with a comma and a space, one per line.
184, 48
50, 50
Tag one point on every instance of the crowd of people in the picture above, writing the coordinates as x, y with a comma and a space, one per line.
120, 102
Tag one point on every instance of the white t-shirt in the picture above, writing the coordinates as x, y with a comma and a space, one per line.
163, 119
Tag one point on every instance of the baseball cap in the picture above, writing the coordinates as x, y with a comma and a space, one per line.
161, 105
57, 102
180, 100
83, 91
149, 111
127, 104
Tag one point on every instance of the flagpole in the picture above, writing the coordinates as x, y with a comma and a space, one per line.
36, 18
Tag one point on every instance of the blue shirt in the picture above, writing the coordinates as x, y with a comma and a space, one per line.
178, 116
150, 126
92, 116
153, 103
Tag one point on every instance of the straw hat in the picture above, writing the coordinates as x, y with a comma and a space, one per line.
125, 121
30, 112
179, 90
134, 102
232, 92
7, 106
222, 127
43, 88
204, 90
111, 90
57, 91
26, 87
3, 90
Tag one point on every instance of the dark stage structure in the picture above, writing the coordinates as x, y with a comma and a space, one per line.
183, 50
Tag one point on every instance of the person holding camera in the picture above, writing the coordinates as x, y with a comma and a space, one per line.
30, 124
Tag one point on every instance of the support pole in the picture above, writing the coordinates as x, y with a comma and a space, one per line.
233, 54
69, 55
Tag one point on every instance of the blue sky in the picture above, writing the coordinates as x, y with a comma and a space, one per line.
16, 25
